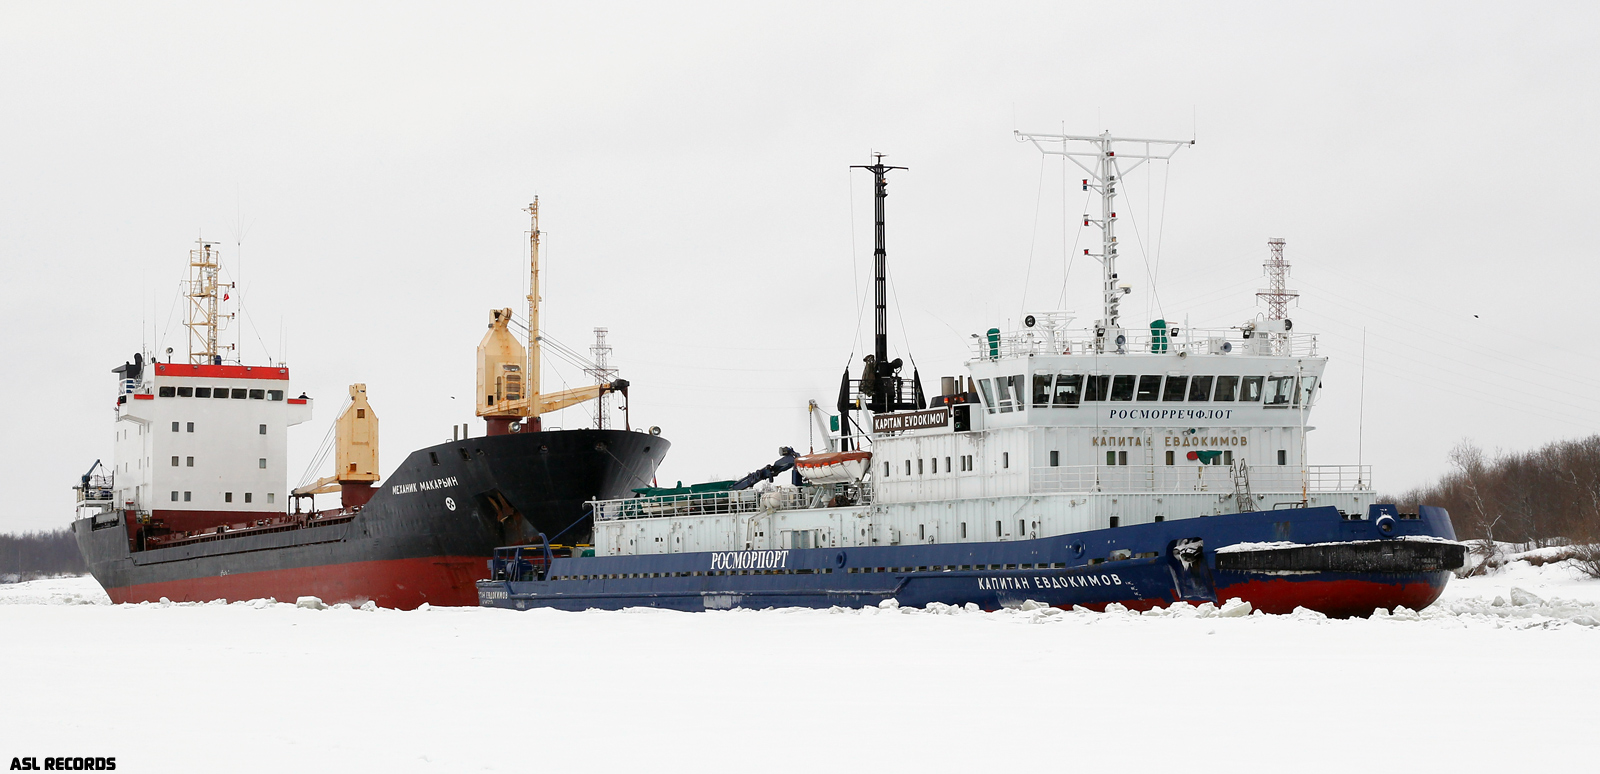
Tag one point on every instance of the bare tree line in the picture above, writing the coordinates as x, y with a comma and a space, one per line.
1546, 497
36, 554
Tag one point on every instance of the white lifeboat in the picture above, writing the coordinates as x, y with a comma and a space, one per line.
833, 467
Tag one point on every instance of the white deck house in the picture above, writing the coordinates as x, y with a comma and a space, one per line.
1053, 430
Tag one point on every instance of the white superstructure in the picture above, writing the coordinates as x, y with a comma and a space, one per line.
1052, 430
203, 438
200, 440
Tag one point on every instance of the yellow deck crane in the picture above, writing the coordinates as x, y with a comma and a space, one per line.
355, 454
508, 372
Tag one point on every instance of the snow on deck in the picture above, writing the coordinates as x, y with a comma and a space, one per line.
261, 686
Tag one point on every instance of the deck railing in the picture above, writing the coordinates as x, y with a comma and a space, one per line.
1197, 478
727, 502
1046, 341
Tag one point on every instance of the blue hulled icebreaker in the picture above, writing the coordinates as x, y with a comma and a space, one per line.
1068, 466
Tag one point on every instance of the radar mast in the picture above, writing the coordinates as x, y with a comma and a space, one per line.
1104, 170
204, 320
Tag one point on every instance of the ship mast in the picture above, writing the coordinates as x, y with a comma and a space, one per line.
880, 269
1103, 173
532, 382
1278, 295
202, 292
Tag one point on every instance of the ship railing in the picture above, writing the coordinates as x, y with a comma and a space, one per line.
1199, 341
1198, 478
742, 501
98, 489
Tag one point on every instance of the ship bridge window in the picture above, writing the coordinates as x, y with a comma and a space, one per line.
1227, 388
1279, 390
274, 394
167, 392
1069, 389
1010, 389
1096, 388
1176, 386
1041, 390
258, 395
1122, 387
219, 392
186, 392
988, 394
1149, 388
1200, 388
240, 393
1250, 389
202, 392
1019, 384
1308, 385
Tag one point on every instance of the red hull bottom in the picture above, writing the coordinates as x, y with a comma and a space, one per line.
1346, 598
396, 583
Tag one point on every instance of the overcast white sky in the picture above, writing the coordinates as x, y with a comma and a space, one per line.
1431, 166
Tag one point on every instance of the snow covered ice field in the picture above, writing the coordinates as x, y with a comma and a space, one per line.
273, 687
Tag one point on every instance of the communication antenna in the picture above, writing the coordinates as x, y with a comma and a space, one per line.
1097, 155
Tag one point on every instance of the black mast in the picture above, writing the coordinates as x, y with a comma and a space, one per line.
883, 370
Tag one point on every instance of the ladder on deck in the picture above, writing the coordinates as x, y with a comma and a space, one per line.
1241, 487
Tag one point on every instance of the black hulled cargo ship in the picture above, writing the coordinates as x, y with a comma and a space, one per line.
196, 505
423, 537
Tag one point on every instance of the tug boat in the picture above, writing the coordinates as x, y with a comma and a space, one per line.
196, 504
1094, 466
